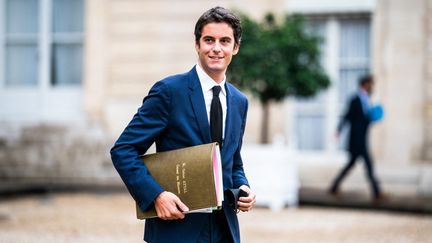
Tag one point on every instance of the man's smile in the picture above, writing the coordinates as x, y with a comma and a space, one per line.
216, 57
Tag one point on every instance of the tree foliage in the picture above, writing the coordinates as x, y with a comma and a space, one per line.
278, 60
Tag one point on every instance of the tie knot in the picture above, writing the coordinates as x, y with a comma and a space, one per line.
216, 90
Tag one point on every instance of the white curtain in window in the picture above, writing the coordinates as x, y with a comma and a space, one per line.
354, 55
22, 16
21, 65
21, 55
68, 18
67, 64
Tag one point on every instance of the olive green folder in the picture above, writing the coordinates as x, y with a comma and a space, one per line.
194, 174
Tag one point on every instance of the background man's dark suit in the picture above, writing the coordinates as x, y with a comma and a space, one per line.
174, 116
359, 122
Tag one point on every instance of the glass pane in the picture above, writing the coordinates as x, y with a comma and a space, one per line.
318, 28
22, 16
21, 65
349, 82
354, 55
68, 15
310, 132
67, 64
355, 39
310, 118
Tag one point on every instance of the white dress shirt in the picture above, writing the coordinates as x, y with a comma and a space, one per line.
207, 84
364, 99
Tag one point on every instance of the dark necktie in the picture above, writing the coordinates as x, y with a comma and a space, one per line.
216, 116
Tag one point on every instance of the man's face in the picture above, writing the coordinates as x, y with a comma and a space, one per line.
216, 48
369, 87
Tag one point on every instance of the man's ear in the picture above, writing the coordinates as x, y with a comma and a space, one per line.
236, 49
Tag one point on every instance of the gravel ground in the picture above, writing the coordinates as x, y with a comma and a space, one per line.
87, 217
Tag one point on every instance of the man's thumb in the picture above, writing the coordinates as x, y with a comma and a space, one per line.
181, 205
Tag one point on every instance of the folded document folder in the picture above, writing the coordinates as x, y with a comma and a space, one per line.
194, 174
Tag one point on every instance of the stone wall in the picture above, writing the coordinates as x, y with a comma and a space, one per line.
51, 155
399, 65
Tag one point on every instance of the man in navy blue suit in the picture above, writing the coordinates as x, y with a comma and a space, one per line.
357, 116
196, 107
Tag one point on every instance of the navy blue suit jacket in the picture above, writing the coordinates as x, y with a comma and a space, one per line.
359, 125
173, 115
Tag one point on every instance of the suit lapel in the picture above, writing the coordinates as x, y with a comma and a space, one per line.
197, 100
198, 104
229, 116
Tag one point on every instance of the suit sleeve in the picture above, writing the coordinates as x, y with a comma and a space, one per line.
239, 177
144, 128
347, 116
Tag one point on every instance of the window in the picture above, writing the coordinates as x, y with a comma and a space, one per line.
39, 32
41, 59
345, 56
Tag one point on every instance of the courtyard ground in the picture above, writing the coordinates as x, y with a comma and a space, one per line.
109, 217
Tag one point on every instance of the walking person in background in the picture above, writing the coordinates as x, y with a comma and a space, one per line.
359, 118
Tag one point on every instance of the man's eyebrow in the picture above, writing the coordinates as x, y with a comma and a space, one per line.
211, 37
226, 38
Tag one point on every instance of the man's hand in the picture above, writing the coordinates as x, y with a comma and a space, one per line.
246, 203
169, 206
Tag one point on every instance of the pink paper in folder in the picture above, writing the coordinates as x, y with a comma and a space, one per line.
217, 176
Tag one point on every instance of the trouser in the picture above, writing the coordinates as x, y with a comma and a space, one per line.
369, 169
215, 229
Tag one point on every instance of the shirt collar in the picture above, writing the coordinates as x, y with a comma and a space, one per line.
207, 82
363, 93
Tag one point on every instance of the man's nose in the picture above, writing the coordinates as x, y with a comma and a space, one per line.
217, 47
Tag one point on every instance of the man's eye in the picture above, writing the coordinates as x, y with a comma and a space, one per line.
226, 41
208, 40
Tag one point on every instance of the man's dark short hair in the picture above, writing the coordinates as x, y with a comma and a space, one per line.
219, 15
365, 80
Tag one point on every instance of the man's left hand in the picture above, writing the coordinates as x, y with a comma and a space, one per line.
246, 204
